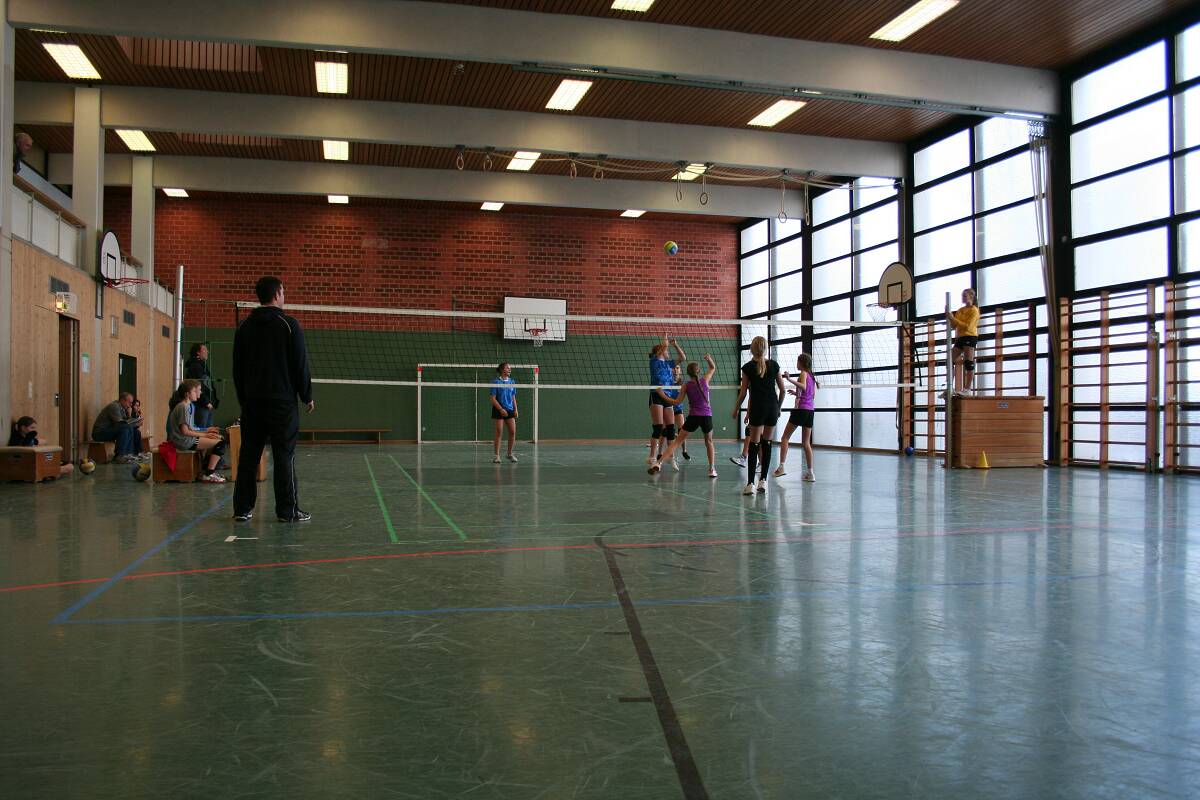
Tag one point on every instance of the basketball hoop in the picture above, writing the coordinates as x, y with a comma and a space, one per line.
881, 312
536, 335
116, 283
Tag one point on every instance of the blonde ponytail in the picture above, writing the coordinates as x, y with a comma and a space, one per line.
758, 349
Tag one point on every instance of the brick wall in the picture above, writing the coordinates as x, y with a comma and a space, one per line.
422, 257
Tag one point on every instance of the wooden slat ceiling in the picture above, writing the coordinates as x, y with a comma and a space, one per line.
58, 139
441, 82
1047, 34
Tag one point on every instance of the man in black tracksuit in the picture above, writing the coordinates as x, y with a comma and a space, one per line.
270, 371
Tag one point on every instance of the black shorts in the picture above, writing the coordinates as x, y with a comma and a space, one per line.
496, 414
656, 400
763, 416
801, 418
966, 341
693, 422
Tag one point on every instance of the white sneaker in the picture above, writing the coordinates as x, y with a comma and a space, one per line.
762, 485
748, 489
712, 472
674, 464
495, 459
512, 458
739, 460
654, 468
212, 477
808, 476
779, 471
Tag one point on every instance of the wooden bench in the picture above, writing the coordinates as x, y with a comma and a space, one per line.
312, 432
31, 464
102, 452
187, 467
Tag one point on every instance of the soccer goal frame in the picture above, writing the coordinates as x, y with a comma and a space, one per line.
422, 383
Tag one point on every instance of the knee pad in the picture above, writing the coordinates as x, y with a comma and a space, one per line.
656, 431
969, 365
669, 432
219, 450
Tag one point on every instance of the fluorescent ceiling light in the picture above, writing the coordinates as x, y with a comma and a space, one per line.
568, 94
332, 77
335, 150
632, 5
491, 206
522, 160
777, 113
136, 140
690, 172
175, 192
912, 20
72, 61
632, 213
338, 198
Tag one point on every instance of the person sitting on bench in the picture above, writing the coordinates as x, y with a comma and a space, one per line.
182, 431
24, 433
116, 423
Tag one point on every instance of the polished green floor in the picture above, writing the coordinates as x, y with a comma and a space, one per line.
569, 627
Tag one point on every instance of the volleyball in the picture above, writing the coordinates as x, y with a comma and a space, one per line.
670, 248
141, 472
87, 466
908, 451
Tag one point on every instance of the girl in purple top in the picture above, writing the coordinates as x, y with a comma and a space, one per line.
699, 415
802, 416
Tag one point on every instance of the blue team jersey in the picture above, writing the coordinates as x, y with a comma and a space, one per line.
506, 397
661, 370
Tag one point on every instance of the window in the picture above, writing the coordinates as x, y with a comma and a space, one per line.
1120, 83
999, 135
943, 203
1127, 199
1123, 141
1187, 54
948, 155
1140, 256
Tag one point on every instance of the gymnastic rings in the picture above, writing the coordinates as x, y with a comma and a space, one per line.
704, 198
487, 163
459, 161
574, 171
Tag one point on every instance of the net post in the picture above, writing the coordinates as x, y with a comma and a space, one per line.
418, 403
178, 366
948, 439
536, 415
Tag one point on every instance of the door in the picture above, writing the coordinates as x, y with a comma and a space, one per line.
127, 382
67, 396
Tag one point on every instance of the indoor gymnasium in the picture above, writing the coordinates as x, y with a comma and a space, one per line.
600, 399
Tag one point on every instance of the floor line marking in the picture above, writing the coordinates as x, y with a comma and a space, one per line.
776, 540
387, 518
431, 501
65, 615
742, 507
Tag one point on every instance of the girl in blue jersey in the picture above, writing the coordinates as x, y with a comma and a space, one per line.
677, 418
662, 417
504, 410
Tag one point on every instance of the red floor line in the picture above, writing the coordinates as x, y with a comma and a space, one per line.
546, 548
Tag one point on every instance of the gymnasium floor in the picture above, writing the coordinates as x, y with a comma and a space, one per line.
568, 627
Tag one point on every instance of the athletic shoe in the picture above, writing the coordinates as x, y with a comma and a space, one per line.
686, 457
674, 464
142, 458
779, 471
748, 489
495, 459
739, 460
212, 477
808, 476
297, 516
942, 395
762, 485
125, 459
962, 393
245, 516
650, 459
653, 468
712, 472
512, 458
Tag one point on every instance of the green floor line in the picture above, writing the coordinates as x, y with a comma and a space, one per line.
742, 507
387, 519
432, 502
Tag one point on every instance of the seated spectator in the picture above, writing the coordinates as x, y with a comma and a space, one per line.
24, 433
117, 423
182, 431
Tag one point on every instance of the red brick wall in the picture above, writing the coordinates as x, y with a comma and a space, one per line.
422, 257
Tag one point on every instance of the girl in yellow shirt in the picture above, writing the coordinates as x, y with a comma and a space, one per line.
965, 322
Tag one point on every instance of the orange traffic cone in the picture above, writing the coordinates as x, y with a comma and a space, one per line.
982, 462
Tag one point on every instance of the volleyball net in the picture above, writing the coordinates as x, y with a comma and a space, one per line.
577, 376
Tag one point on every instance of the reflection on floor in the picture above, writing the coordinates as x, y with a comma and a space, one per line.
570, 627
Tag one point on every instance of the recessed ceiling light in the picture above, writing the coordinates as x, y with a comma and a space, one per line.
522, 160
338, 198
690, 172
72, 61
332, 77
632, 5
632, 213
335, 150
491, 206
136, 140
912, 20
175, 192
777, 113
568, 94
